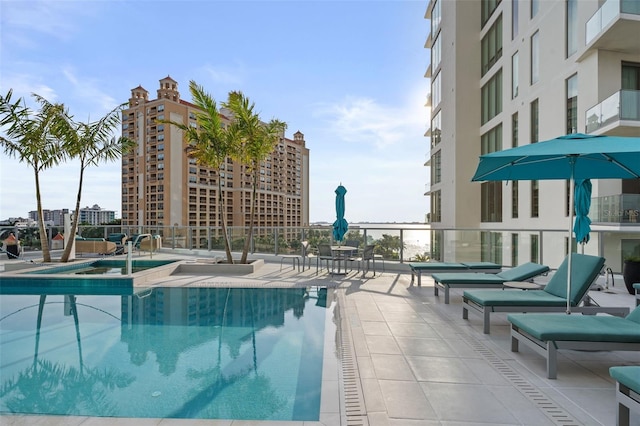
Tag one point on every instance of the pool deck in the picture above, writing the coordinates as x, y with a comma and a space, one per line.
409, 359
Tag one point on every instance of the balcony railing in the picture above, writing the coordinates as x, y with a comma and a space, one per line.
622, 208
609, 11
397, 243
621, 106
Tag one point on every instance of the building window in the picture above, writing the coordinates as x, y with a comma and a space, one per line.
572, 27
514, 249
514, 75
492, 45
572, 104
436, 92
436, 53
436, 207
535, 242
492, 97
436, 168
514, 130
491, 202
436, 16
514, 199
436, 129
160, 107
488, 7
534, 121
514, 19
535, 58
535, 6
491, 141
491, 192
535, 199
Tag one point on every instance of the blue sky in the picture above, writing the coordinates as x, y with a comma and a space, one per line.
347, 74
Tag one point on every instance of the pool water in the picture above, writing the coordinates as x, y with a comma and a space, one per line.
205, 353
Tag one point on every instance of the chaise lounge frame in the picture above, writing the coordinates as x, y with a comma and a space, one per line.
581, 301
417, 268
446, 281
627, 392
549, 348
546, 334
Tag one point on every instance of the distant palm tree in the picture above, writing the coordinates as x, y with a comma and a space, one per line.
91, 143
29, 136
210, 143
257, 140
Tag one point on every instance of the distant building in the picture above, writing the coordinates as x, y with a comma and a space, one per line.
96, 215
161, 186
51, 217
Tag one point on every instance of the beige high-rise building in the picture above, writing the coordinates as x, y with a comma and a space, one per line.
161, 186
506, 73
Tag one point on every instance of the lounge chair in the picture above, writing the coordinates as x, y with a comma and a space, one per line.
552, 298
524, 272
627, 391
546, 333
636, 286
417, 268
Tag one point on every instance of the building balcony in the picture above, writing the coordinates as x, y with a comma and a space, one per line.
427, 189
615, 26
620, 111
619, 209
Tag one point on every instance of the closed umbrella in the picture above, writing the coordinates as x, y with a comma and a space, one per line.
575, 156
340, 226
582, 225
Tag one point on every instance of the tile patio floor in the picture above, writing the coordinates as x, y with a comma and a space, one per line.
409, 359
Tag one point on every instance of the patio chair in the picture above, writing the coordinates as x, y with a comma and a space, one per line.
324, 254
366, 259
627, 391
551, 298
524, 272
305, 257
547, 333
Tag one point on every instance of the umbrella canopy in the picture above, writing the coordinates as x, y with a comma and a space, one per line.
575, 156
582, 225
340, 226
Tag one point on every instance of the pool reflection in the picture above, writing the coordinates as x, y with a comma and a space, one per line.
214, 351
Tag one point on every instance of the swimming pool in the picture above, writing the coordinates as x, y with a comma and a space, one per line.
205, 353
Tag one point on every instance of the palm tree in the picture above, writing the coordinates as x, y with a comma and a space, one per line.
91, 143
29, 136
209, 144
257, 140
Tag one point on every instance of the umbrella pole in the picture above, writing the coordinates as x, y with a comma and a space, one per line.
571, 208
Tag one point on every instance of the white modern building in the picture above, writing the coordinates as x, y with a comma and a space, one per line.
506, 73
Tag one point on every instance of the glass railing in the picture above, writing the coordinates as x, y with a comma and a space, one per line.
622, 105
621, 208
606, 14
403, 242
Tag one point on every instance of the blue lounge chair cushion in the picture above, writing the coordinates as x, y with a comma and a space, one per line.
519, 273
580, 328
628, 375
585, 270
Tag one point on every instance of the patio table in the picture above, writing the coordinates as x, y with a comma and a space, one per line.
341, 254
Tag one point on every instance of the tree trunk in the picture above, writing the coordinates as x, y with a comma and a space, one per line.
247, 242
44, 238
223, 220
74, 226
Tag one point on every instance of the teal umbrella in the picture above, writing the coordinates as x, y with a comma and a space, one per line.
574, 156
340, 226
582, 225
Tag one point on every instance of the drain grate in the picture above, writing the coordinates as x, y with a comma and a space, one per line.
355, 412
557, 415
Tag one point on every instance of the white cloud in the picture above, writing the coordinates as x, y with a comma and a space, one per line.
362, 120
